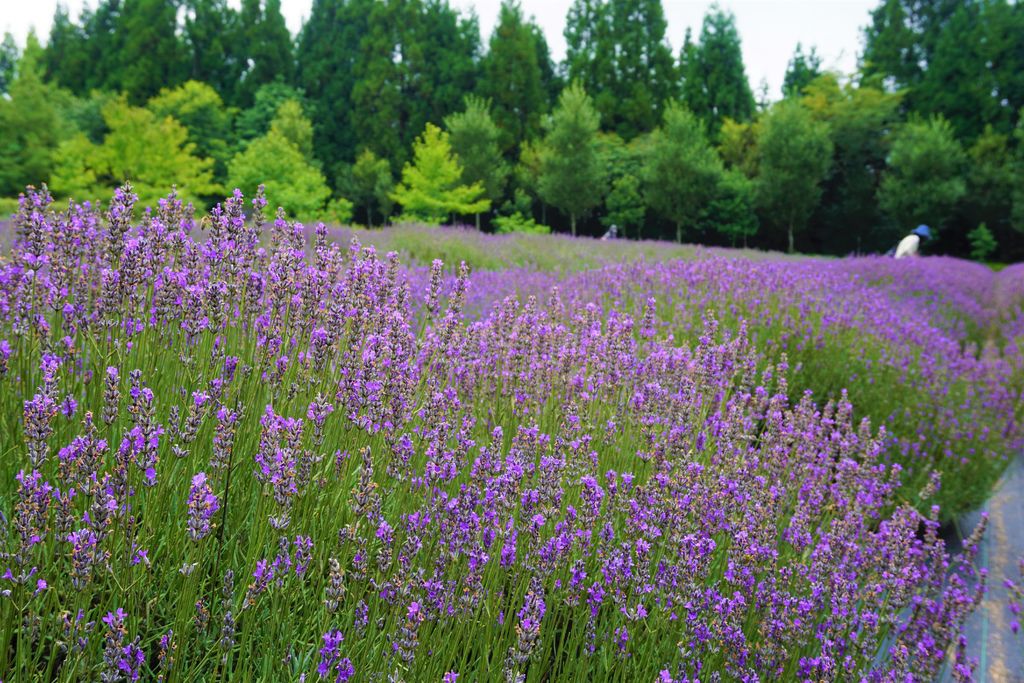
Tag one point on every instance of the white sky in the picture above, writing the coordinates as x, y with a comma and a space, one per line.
769, 29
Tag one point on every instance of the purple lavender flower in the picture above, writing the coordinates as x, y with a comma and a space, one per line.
202, 506
331, 661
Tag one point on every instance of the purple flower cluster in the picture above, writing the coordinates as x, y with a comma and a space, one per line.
719, 469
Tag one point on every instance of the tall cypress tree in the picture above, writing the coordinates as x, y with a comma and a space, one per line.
715, 84
66, 57
644, 70
589, 47
512, 78
8, 62
801, 71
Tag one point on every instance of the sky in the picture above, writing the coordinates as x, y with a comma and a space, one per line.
769, 29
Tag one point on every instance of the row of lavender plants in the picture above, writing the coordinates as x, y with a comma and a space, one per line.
227, 456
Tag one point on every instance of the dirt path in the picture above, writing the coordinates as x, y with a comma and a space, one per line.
1000, 654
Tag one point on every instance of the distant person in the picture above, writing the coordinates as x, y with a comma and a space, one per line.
909, 245
612, 233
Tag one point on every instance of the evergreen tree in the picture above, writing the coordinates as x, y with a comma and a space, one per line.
211, 27
150, 55
474, 140
644, 71
715, 85
730, 211
328, 48
104, 41
30, 128
801, 71
255, 121
266, 47
372, 185
794, 158
682, 170
67, 56
431, 188
991, 181
924, 180
8, 62
572, 177
625, 205
513, 79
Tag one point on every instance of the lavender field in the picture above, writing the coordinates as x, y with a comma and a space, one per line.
239, 448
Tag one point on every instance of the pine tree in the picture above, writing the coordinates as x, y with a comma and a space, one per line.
715, 85
266, 47
512, 78
431, 188
572, 177
474, 140
8, 62
150, 54
213, 53
67, 53
802, 69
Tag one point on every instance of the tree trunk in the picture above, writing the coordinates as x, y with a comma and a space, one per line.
478, 222
572, 222
679, 232
790, 238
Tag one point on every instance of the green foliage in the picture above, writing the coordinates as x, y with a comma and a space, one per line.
715, 84
859, 119
267, 46
8, 62
292, 125
150, 55
153, 153
681, 169
983, 243
730, 211
625, 205
338, 211
371, 185
291, 180
431, 188
737, 146
512, 77
30, 129
794, 157
200, 109
801, 71
474, 140
572, 177
924, 181
211, 34
518, 223
255, 121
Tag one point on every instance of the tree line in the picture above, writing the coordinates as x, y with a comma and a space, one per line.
387, 109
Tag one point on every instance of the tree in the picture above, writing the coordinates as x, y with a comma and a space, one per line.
474, 139
513, 79
153, 153
255, 121
266, 46
682, 169
66, 57
991, 181
372, 184
730, 212
589, 46
30, 128
860, 120
625, 205
431, 188
715, 84
983, 243
801, 71
924, 180
572, 177
200, 109
327, 55
276, 160
8, 62
150, 54
794, 157
737, 146
213, 52
292, 125
644, 69
1017, 215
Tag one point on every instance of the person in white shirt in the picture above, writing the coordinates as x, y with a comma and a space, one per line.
909, 245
